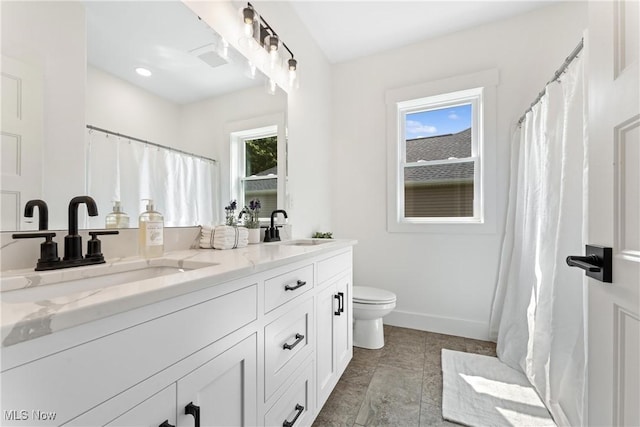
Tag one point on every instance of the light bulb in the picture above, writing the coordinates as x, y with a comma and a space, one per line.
248, 15
293, 73
251, 70
224, 48
271, 43
271, 87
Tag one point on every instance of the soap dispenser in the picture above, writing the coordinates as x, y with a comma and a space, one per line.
151, 232
117, 218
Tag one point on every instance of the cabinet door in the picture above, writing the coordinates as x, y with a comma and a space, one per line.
152, 412
335, 335
327, 306
342, 326
223, 391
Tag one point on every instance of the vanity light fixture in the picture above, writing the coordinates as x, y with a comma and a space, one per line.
266, 37
143, 72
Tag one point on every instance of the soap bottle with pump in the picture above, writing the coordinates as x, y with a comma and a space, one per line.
151, 232
117, 218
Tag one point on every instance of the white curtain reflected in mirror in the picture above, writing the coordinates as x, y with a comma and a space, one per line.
183, 187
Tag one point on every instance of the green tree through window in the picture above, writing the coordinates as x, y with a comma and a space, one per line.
261, 155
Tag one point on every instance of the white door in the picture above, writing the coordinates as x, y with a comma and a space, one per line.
22, 123
614, 212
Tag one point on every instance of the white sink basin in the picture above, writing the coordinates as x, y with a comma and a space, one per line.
306, 242
58, 283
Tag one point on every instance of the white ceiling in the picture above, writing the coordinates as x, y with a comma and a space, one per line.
167, 38
345, 30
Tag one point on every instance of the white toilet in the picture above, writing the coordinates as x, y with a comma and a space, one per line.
370, 305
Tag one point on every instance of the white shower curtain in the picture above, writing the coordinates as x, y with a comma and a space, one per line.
538, 313
182, 186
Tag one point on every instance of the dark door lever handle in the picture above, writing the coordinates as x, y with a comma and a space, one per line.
587, 263
597, 263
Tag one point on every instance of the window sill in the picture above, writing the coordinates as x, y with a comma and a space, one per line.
467, 226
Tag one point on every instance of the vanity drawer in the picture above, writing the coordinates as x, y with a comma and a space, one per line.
330, 267
296, 403
287, 286
288, 341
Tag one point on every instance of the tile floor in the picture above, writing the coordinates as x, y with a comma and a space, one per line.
399, 385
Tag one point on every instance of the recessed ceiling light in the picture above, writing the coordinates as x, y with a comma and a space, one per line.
143, 72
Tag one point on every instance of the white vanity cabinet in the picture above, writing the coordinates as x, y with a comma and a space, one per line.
259, 350
222, 392
160, 406
334, 320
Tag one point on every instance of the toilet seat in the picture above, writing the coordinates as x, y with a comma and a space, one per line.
367, 295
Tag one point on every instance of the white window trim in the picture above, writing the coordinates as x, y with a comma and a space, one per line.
247, 129
400, 101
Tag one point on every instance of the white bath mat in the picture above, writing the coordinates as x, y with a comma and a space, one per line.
482, 391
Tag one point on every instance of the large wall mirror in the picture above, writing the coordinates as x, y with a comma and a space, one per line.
67, 65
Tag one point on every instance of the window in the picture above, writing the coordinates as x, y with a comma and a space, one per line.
258, 163
440, 162
437, 164
260, 177
255, 154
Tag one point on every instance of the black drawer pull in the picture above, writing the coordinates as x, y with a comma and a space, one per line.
166, 424
340, 298
300, 409
299, 338
194, 410
299, 284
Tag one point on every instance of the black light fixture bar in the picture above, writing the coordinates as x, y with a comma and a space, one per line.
267, 30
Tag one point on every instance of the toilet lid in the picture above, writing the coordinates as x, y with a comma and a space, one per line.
369, 295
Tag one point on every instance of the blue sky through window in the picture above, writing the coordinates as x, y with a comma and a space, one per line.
438, 122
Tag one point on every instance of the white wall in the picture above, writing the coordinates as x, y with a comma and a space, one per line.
311, 164
32, 32
444, 282
119, 106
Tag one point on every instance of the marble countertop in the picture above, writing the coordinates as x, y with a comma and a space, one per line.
30, 310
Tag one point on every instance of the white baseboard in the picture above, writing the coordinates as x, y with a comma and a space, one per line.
442, 325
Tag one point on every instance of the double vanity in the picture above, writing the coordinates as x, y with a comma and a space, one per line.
251, 336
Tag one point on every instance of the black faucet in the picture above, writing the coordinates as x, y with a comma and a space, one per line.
43, 213
73, 241
273, 234
49, 259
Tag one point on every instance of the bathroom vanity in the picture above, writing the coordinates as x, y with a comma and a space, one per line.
252, 336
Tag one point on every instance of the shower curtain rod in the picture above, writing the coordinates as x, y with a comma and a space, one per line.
556, 76
131, 138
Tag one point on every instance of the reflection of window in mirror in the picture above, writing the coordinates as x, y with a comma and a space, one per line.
256, 168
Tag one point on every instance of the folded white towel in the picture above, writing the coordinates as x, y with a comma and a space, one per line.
224, 237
